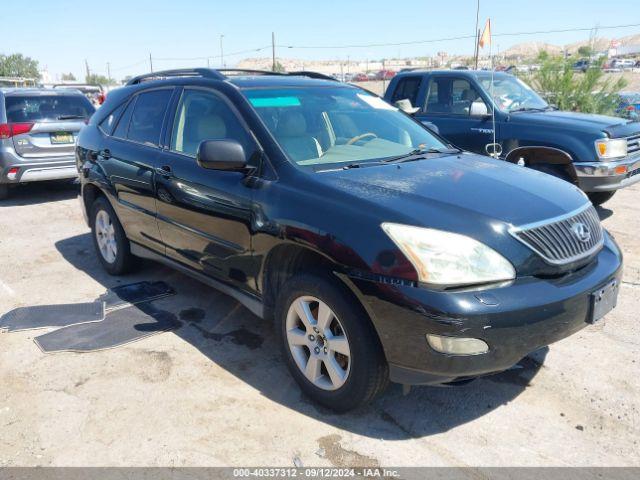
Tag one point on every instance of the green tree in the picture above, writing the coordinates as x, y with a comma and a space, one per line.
279, 67
68, 77
585, 51
95, 79
17, 65
589, 92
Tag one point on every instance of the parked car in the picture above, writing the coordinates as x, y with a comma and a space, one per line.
629, 105
95, 93
38, 129
379, 250
385, 75
583, 65
597, 153
360, 77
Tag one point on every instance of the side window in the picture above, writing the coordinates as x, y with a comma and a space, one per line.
203, 115
407, 88
123, 123
463, 94
452, 96
148, 115
108, 123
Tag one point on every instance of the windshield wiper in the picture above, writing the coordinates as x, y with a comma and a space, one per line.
532, 109
418, 154
71, 117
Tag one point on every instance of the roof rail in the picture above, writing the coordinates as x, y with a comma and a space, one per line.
181, 72
219, 74
248, 70
307, 73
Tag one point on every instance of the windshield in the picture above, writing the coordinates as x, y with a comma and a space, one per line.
511, 94
336, 125
47, 107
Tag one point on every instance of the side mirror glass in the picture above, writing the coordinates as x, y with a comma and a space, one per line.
406, 107
221, 155
479, 109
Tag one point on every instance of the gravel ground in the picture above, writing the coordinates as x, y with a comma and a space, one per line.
214, 392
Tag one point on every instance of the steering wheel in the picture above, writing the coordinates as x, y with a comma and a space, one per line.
357, 138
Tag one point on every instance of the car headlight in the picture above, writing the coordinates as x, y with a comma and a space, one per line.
607, 148
448, 259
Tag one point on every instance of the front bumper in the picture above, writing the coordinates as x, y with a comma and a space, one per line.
602, 176
513, 320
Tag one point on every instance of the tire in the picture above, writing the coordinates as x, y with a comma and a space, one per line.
113, 248
4, 191
598, 198
344, 379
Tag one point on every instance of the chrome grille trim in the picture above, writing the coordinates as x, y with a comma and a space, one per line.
555, 240
633, 143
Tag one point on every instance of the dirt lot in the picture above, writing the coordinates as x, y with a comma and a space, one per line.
215, 392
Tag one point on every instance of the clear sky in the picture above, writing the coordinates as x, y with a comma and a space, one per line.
61, 34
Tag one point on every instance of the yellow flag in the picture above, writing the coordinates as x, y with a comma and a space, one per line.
485, 38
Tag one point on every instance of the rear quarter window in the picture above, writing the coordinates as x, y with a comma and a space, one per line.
108, 124
37, 108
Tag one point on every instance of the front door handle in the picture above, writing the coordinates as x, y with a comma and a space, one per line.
164, 171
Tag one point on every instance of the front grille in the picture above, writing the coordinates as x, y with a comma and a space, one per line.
633, 143
564, 239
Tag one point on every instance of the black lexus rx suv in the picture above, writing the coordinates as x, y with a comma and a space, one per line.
380, 251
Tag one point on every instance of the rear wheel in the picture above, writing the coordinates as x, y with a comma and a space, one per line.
109, 239
329, 344
598, 198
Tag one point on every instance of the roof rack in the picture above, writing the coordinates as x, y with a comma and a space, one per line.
181, 72
307, 73
218, 74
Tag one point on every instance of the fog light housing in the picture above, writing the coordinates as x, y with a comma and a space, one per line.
12, 173
457, 345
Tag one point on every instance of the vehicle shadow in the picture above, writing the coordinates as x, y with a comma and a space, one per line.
40, 192
603, 212
246, 346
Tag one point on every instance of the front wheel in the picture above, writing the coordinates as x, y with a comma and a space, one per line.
598, 198
329, 343
109, 239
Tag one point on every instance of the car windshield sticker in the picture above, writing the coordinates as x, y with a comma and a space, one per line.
265, 102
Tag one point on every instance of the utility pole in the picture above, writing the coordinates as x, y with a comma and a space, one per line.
273, 52
109, 71
86, 64
150, 62
221, 52
476, 51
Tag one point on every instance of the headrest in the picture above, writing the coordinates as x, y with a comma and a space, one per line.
292, 124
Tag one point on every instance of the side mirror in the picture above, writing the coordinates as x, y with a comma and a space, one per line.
221, 155
406, 107
479, 109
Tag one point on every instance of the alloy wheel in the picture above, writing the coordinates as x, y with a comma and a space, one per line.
106, 236
318, 343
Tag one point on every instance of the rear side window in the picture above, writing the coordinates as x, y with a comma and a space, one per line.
37, 108
108, 123
123, 123
148, 115
407, 88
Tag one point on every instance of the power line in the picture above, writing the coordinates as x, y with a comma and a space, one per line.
461, 37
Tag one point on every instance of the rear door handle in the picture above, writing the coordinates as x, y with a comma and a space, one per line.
106, 154
164, 171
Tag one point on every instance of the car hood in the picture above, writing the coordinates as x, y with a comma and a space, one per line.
457, 192
612, 126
